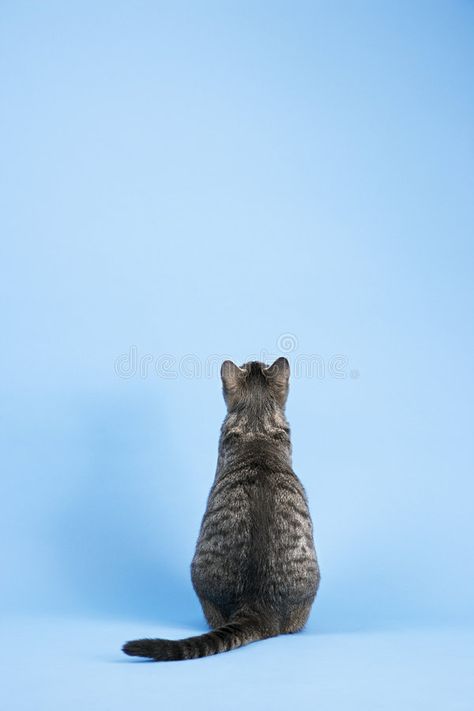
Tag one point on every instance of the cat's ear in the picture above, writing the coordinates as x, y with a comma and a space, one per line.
232, 377
278, 376
279, 370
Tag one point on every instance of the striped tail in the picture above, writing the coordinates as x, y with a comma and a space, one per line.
235, 634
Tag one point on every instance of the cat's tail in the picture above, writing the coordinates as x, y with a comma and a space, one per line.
240, 631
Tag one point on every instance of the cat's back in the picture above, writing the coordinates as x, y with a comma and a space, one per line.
256, 535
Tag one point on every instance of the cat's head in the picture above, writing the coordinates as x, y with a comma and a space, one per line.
255, 381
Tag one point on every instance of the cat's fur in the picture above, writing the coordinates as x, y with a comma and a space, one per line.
255, 569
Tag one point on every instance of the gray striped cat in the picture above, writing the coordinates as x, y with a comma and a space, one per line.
255, 569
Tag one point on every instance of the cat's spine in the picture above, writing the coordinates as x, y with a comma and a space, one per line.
235, 634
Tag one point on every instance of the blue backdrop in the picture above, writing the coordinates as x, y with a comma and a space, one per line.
186, 182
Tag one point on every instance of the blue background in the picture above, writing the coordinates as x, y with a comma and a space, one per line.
185, 182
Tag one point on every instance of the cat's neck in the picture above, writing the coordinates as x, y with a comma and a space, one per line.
247, 425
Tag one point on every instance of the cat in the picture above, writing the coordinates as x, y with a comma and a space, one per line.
255, 568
